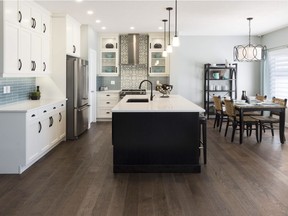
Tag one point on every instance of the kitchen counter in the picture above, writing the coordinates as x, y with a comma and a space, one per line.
174, 103
159, 136
28, 105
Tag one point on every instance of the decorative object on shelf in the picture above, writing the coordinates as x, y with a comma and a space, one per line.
35, 95
216, 75
169, 47
164, 53
165, 89
250, 52
176, 41
109, 46
157, 46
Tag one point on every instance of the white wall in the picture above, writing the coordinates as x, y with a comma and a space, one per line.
276, 39
187, 65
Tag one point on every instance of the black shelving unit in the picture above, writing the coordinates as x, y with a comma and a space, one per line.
225, 84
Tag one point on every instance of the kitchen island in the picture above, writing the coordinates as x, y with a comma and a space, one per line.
156, 136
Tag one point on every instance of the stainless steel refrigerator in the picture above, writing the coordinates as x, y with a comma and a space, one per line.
77, 87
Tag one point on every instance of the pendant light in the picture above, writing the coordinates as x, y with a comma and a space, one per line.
176, 41
169, 47
164, 53
250, 52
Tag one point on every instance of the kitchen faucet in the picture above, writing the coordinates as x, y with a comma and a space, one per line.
151, 96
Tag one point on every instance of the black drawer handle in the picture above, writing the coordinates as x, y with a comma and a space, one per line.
33, 115
20, 64
107, 112
60, 117
107, 102
40, 127
74, 49
44, 111
44, 28
20, 16
44, 66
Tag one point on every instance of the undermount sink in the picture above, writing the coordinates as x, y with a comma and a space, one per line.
137, 100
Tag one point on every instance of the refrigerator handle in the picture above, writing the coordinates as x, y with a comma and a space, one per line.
83, 108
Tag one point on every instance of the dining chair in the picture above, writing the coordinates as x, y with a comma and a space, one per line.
268, 122
234, 121
259, 98
220, 114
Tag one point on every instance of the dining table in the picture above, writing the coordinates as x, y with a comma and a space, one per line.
246, 107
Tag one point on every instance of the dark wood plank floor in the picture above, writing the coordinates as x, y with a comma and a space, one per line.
76, 178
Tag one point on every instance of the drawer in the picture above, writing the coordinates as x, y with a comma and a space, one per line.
108, 103
108, 95
32, 115
104, 113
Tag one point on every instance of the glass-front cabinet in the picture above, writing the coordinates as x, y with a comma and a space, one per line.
158, 65
109, 59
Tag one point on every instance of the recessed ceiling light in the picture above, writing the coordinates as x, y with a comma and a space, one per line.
132, 28
160, 27
98, 21
90, 12
103, 28
78, 0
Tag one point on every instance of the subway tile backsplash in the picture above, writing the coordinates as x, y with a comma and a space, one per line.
19, 89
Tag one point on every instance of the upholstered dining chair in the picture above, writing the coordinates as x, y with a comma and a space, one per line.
268, 122
220, 114
234, 121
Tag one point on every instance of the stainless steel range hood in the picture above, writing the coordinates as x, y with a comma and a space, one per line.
133, 49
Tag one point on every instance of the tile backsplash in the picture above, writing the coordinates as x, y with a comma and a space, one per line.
19, 89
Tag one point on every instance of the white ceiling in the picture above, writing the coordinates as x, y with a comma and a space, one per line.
194, 17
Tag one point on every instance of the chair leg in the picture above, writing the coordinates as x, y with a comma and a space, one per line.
272, 129
227, 127
233, 132
204, 134
216, 120
221, 121
257, 138
261, 129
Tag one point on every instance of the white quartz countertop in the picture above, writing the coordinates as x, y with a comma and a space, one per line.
174, 103
27, 105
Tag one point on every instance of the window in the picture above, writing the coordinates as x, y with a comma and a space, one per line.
276, 74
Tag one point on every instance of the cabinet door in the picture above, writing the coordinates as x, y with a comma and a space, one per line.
69, 35
109, 63
158, 64
46, 26
76, 39
12, 61
25, 11
36, 20
45, 134
36, 53
33, 147
62, 124
45, 56
11, 13
25, 51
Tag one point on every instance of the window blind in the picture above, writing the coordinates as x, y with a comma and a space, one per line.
276, 74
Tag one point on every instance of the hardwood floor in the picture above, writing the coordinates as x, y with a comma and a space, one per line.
76, 178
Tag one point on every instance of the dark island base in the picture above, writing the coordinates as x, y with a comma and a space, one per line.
156, 142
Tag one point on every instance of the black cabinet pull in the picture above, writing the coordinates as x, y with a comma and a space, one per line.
32, 25
150, 45
44, 28
74, 49
33, 64
54, 107
51, 121
116, 45
150, 69
44, 66
116, 69
20, 64
40, 127
44, 111
33, 115
107, 102
60, 117
62, 104
20, 16
107, 112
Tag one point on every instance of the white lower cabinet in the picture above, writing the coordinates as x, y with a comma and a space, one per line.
27, 136
106, 100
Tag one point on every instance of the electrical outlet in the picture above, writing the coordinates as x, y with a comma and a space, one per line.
112, 82
6, 89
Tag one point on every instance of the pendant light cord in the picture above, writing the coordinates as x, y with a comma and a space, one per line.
169, 9
249, 19
176, 33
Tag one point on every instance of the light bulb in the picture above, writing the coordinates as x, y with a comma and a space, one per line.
176, 41
169, 48
164, 53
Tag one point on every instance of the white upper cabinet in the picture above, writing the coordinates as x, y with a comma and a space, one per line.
109, 55
73, 37
26, 28
158, 65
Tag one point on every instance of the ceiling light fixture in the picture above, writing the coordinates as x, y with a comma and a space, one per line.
90, 12
103, 28
98, 21
132, 28
176, 41
169, 47
250, 52
164, 53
